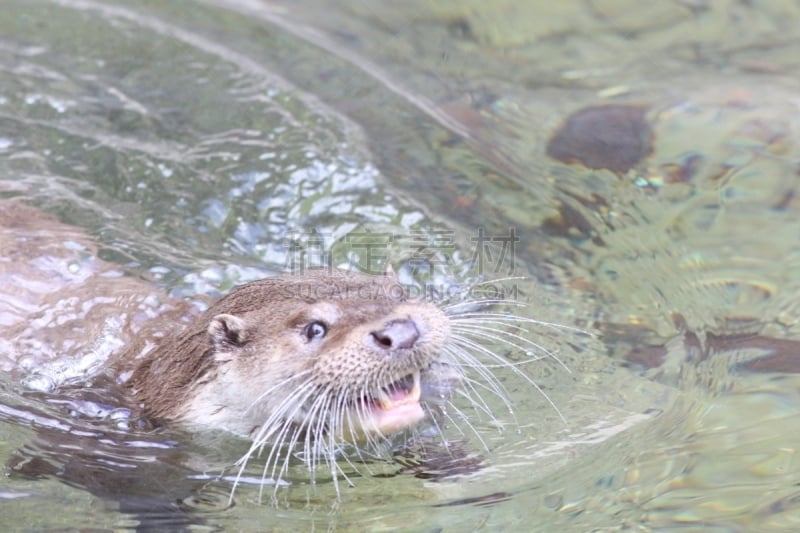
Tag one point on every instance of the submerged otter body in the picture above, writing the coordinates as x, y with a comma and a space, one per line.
335, 353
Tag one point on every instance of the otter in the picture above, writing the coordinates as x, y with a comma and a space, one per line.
307, 362
333, 349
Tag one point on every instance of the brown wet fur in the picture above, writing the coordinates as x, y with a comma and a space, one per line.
257, 331
57, 296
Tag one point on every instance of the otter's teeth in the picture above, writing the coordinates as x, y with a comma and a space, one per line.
411, 396
416, 390
383, 400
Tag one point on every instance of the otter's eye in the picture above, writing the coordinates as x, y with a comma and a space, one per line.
315, 330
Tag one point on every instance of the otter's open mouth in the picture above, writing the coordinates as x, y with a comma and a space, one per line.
392, 408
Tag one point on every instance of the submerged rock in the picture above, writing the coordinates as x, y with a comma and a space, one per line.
613, 137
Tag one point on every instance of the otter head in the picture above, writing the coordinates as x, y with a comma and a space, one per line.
332, 353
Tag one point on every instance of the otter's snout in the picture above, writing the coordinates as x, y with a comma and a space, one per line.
397, 334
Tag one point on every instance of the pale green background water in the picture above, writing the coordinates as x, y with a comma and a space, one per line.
191, 139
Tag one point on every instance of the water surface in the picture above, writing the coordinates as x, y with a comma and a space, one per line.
186, 147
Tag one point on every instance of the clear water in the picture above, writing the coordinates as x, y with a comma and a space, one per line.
184, 147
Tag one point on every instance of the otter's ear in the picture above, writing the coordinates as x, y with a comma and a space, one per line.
227, 331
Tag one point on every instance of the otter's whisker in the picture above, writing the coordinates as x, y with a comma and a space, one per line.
316, 412
450, 309
481, 349
472, 428
334, 465
285, 383
468, 344
270, 427
281, 445
326, 423
332, 426
364, 422
487, 301
359, 422
440, 429
286, 410
480, 404
500, 335
347, 460
476, 399
459, 350
516, 319
345, 419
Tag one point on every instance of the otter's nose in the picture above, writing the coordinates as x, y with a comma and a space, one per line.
398, 334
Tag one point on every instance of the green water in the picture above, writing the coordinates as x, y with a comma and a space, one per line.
199, 143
